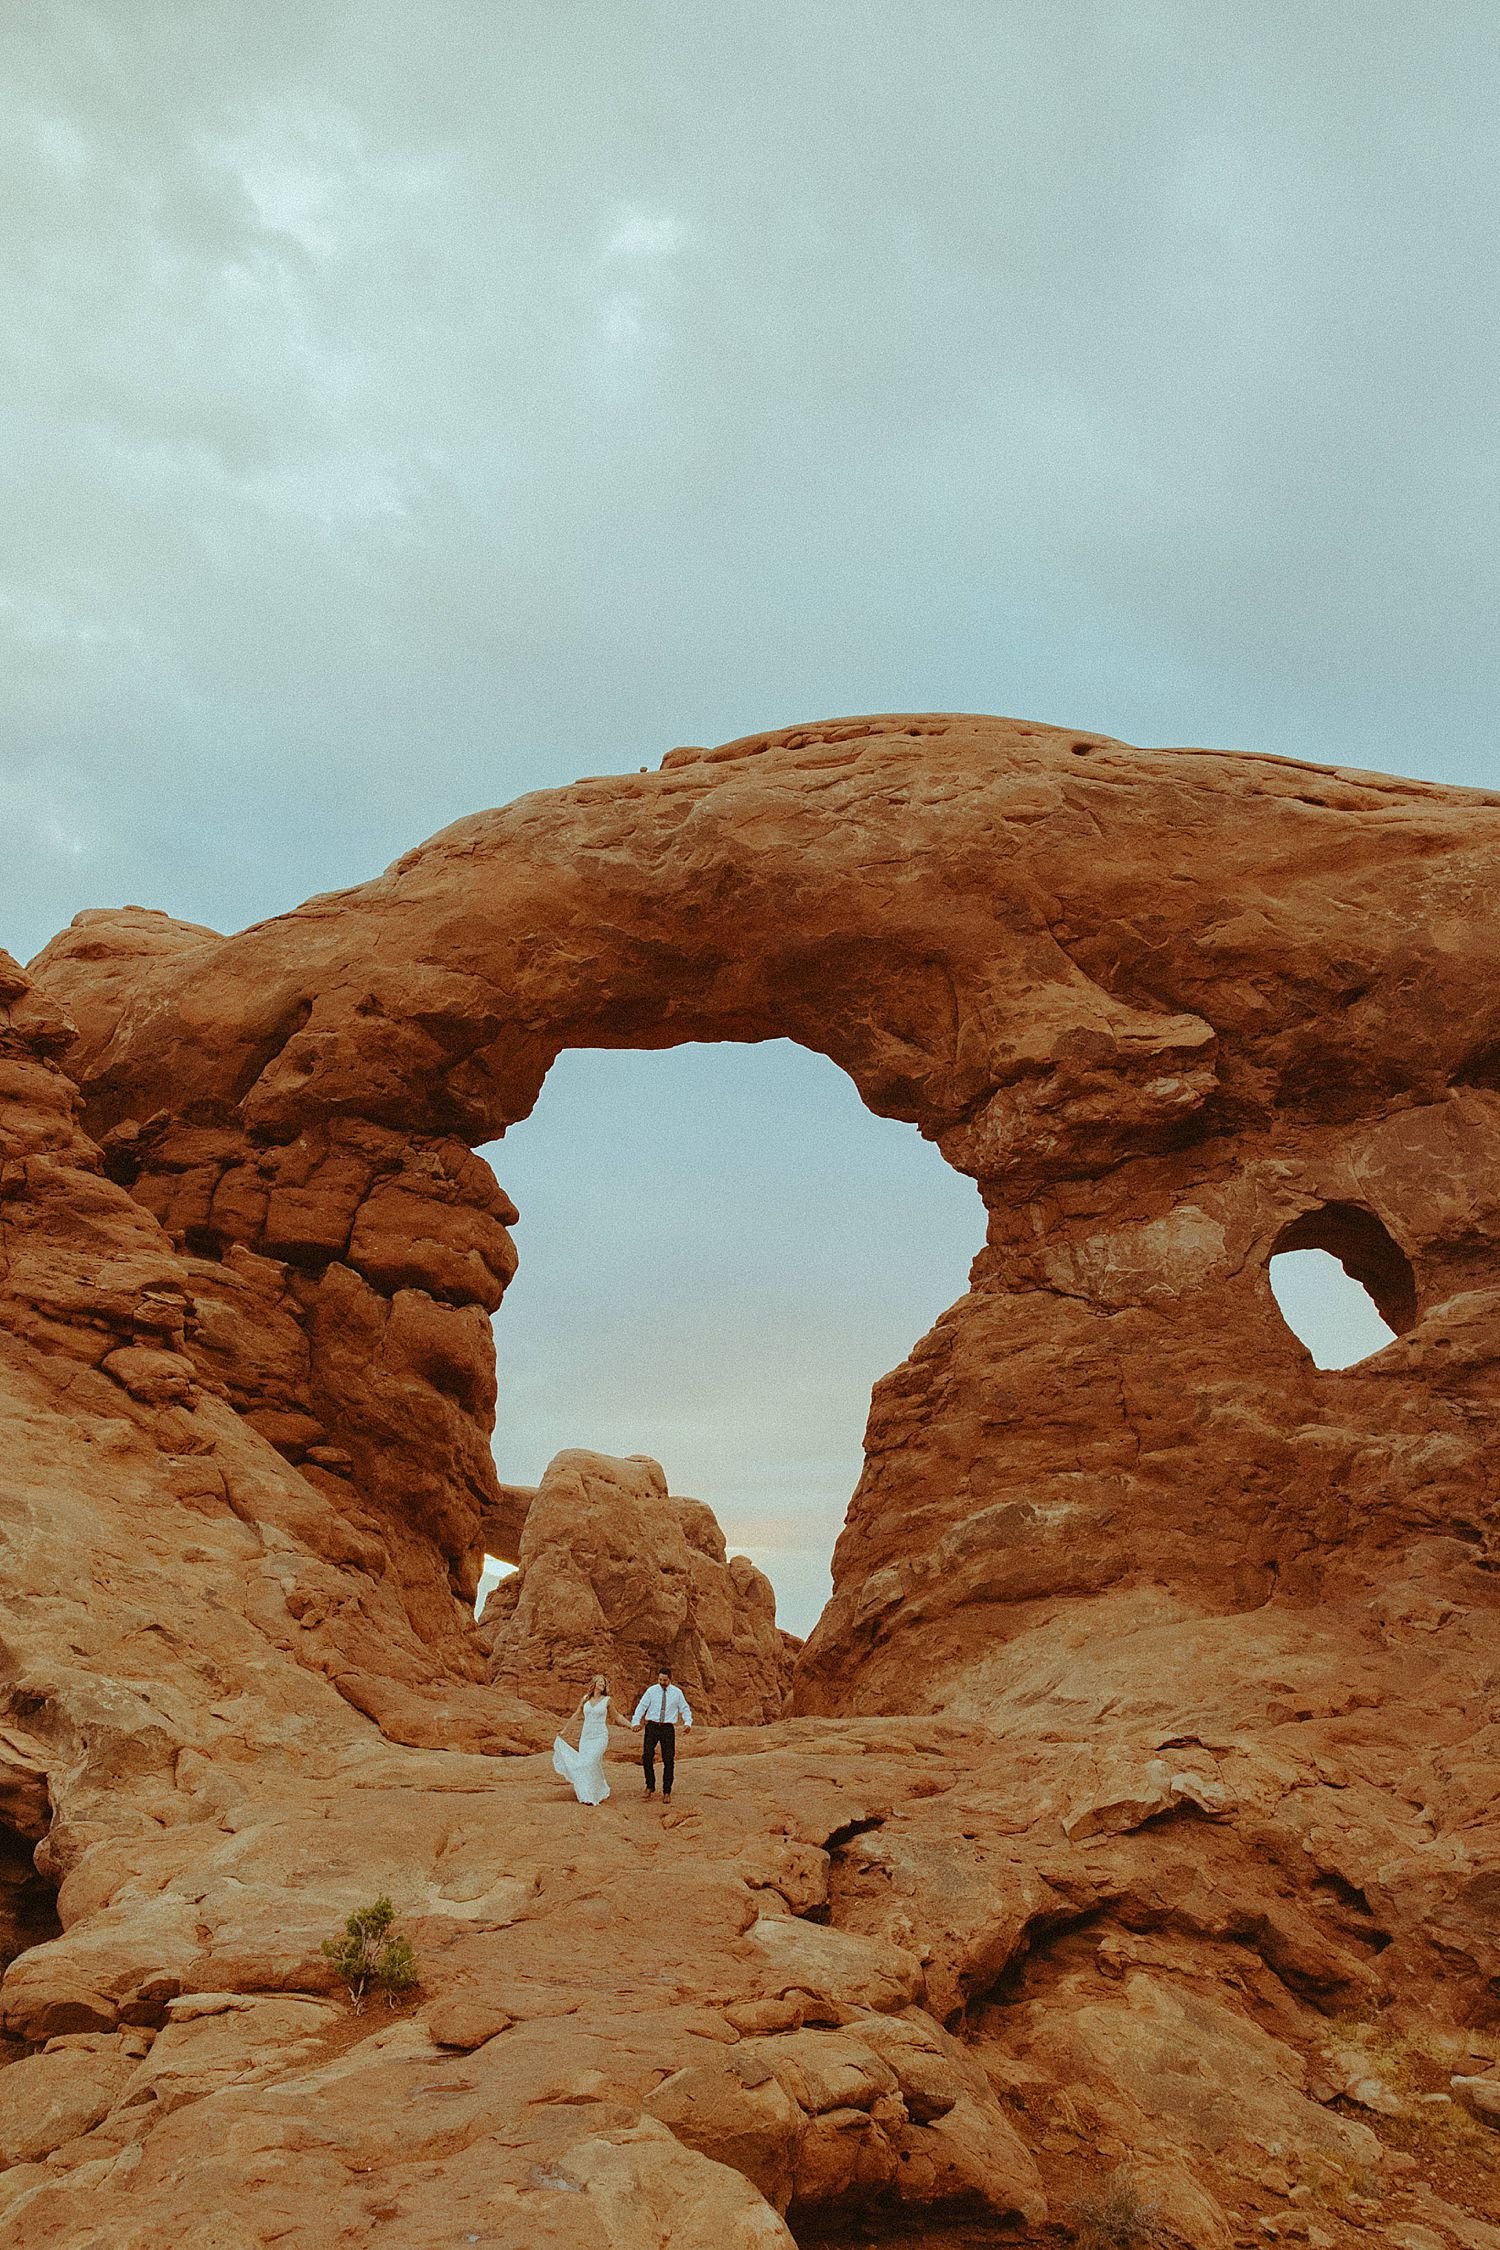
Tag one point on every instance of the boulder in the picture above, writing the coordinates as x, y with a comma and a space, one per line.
618, 1576
1480, 2096
52, 2098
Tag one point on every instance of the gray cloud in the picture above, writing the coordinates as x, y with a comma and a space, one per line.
413, 407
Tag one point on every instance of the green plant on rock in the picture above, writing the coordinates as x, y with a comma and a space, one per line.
368, 1958
1115, 2216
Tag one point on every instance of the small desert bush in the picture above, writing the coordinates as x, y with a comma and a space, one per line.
1413, 2064
1397, 2057
1331, 2184
1437, 2129
368, 1958
1115, 2216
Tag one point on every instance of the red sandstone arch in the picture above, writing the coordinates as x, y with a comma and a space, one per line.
1158, 1004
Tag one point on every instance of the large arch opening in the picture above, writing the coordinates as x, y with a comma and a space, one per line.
1343, 1285
722, 1250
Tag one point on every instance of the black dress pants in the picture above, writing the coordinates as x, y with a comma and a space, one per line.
667, 1737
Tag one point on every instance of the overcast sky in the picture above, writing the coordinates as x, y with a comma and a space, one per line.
407, 407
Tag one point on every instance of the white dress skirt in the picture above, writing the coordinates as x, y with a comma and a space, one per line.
584, 1767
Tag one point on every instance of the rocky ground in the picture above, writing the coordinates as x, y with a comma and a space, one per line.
1124, 1863
857, 1975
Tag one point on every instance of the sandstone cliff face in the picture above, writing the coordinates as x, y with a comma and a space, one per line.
344, 1275
1185, 1851
146, 1520
617, 1576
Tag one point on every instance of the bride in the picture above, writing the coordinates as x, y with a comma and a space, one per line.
584, 1767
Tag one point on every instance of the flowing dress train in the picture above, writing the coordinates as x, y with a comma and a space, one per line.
584, 1767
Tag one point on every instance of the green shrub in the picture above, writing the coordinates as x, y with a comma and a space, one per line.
1116, 2216
367, 1956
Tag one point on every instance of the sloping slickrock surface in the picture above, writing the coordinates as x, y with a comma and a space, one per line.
1184, 1855
856, 1969
619, 1576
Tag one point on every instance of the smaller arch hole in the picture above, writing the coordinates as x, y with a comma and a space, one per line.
493, 1574
1343, 1285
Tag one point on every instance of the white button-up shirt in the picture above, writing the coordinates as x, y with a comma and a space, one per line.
665, 1705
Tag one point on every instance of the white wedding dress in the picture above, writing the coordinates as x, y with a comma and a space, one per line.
584, 1767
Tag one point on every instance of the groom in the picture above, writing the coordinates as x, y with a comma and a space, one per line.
660, 1708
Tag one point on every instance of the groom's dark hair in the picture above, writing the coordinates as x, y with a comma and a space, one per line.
664, 1668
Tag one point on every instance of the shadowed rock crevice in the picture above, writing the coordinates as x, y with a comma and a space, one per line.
28, 1910
28, 1906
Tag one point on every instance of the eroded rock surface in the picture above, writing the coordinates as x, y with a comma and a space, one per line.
1142, 1811
618, 1576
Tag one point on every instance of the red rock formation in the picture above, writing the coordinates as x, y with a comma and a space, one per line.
345, 1273
108, 1339
1171, 1009
618, 1577
1199, 1871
